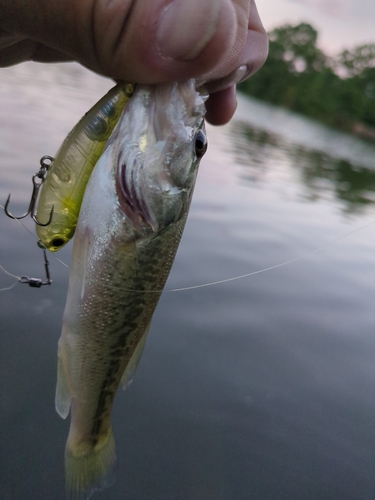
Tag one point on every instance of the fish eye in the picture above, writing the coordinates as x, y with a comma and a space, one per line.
200, 144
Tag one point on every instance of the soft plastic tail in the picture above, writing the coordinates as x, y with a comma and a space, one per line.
90, 469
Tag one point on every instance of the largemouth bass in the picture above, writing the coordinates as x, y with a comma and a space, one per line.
131, 221
67, 177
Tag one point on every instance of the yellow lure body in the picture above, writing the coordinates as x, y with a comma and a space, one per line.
65, 184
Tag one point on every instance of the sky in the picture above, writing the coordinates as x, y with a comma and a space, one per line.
340, 23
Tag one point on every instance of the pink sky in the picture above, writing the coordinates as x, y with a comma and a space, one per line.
340, 23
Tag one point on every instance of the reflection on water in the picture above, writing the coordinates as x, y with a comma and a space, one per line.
261, 388
319, 172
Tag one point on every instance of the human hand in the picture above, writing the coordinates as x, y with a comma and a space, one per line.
219, 42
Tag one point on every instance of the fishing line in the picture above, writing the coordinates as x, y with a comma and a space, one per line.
276, 266
35, 238
212, 283
253, 273
19, 278
9, 287
9, 274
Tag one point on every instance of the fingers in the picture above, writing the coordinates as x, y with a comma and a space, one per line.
166, 41
222, 102
26, 50
146, 41
16, 51
255, 51
221, 106
252, 57
219, 41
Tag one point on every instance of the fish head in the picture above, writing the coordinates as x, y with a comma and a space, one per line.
157, 163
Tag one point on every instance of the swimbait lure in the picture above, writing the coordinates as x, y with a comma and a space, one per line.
62, 190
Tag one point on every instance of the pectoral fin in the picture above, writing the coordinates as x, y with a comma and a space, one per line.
62, 398
128, 374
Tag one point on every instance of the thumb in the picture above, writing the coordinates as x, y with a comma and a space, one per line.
173, 40
147, 41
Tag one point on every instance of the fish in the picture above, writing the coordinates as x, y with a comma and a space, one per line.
63, 188
130, 224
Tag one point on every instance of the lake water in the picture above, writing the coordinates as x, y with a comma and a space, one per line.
261, 388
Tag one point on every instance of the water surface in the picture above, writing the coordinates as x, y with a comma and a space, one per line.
260, 388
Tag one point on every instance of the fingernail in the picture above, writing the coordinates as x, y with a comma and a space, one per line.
186, 26
233, 78
241, 73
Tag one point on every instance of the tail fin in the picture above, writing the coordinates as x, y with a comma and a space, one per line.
90, 469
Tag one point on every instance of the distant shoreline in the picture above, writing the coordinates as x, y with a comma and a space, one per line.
364, 131
336, 91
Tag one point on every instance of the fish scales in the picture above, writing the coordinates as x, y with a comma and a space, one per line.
131, 221
121, 318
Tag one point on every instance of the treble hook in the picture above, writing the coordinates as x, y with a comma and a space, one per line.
41, 175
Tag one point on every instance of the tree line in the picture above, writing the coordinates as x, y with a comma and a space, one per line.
339, 91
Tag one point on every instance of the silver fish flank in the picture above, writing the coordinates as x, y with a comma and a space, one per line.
131, 221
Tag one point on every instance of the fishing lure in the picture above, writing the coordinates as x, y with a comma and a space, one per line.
63, 182
70, 170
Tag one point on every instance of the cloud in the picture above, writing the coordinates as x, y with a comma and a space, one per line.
334, 8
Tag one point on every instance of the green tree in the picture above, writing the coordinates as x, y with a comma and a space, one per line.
353, 62
297, 47
299, 76
295, 73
